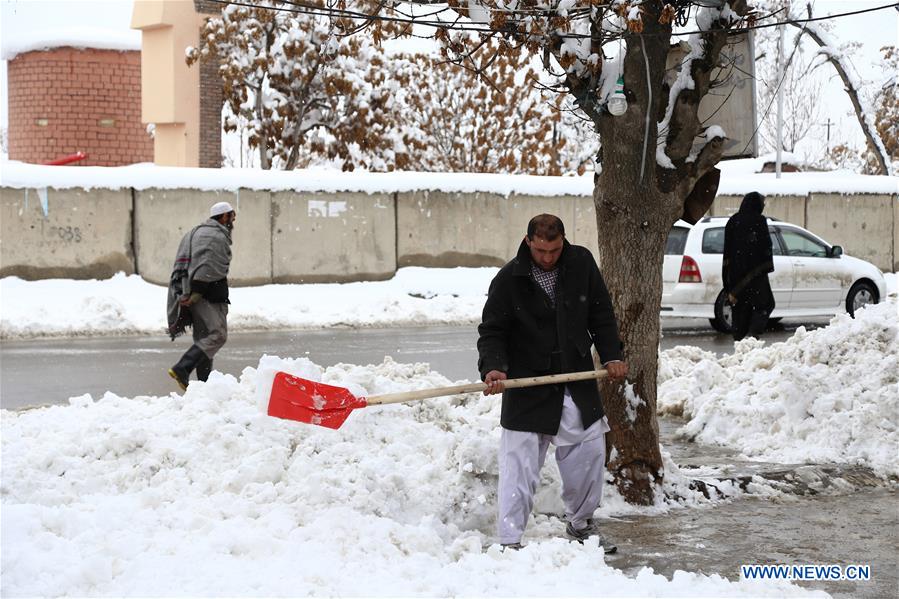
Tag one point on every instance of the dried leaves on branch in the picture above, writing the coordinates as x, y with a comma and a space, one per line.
289, 77
306, 91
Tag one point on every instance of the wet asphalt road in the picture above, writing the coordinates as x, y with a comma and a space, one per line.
851, 528
839, 514
50, 371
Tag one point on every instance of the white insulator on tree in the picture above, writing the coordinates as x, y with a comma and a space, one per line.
617, 104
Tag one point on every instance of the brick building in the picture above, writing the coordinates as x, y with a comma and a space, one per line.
65, 100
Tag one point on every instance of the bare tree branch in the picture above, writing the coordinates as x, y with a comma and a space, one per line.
872, 137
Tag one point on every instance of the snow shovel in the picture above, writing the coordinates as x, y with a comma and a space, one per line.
293, 398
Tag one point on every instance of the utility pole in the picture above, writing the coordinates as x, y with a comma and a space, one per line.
828, 124
780, 99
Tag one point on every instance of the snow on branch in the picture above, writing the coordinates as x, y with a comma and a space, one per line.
680, 124
863, 111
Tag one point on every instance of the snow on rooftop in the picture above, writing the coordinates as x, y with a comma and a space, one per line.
738, 178
76, 37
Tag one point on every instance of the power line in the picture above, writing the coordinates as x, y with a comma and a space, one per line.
776, 89
324, 11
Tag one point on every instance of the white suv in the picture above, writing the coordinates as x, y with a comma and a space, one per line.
810, 278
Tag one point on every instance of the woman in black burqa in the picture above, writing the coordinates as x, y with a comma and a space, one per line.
747, 262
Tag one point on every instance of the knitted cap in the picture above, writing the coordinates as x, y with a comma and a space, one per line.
220, 208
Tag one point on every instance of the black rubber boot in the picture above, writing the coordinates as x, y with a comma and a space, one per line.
204, 367
181, 371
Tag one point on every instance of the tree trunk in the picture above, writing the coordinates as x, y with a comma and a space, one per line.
633, 217
631, 255
264, 161
637, 199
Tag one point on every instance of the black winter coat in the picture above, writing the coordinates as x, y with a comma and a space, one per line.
748, 256
523, 335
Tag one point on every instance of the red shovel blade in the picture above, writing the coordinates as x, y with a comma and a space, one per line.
293, 398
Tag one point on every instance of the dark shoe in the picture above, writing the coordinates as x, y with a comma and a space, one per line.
591, 530
204, 368
512, 546
181, 371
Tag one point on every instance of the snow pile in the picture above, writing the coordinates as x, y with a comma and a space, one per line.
829, 395
205, 495
892, 282
128, 304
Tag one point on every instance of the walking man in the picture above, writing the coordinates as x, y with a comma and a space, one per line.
746, 263
198, 292
544, 311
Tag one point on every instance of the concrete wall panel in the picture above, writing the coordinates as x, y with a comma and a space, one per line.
440, 229
725, 205
66, 233
862, 224
324, 238
477, 229
523, 208
787, 208
162, 217
584, 225
334, 237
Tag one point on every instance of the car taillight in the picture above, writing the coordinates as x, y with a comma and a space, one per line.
689, 271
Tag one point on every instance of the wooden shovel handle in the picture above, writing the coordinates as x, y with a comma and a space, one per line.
533, 381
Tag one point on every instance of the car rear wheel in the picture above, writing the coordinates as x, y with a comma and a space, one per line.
723, 320
861, 294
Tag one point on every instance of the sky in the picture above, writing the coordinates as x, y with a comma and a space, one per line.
872, 30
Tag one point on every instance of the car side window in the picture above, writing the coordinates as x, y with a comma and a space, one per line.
776, 248
713, 241
802, 245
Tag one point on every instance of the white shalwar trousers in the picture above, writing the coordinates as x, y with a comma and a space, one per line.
581, 456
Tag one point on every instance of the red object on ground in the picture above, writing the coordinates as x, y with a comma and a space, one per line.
67, 159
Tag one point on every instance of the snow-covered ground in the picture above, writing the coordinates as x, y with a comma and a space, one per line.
128, 304
203, 494
206, 495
